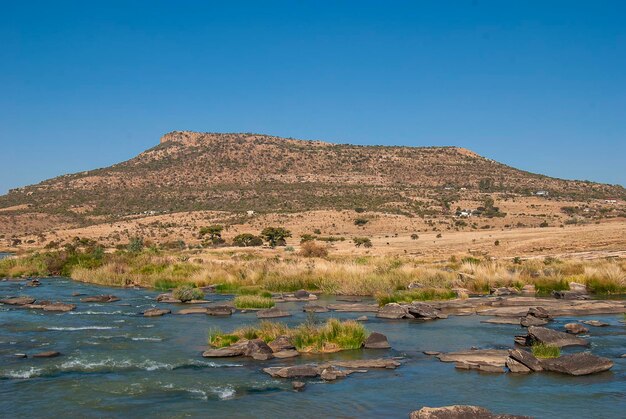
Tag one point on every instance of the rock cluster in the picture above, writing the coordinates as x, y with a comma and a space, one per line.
549, 337
330, 371
583, 363
29, 302
99, 299
415, 310
459, 412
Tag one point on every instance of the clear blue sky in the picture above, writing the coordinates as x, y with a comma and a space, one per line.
537, 85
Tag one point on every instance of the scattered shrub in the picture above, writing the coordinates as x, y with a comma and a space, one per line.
186, 293
311, 249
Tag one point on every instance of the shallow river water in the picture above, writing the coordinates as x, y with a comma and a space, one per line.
116, 363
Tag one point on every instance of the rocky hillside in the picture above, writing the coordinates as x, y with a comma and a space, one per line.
239, 172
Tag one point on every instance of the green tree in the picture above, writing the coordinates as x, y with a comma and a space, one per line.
247, 240
135, 245
275, 236
362, 241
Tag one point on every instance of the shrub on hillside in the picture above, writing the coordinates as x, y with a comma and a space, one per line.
310, 249
247, 240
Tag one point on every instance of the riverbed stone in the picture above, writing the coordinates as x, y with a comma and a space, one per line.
59, 307
424, 311
459, 412
295, 371
287, 353
502, 291
193, 310
569, 295
494, 357
575, 328
298, 385
33, 283
301, 294
528, 321
271, 313
156, 312
100, 299
258, 349
362, 319
220, 310
583, 363
552, 337
236, 349
376, 341
281, 343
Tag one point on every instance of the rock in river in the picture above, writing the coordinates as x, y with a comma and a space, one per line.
526, 358
271, 313
393, 311
552, 337
281, 343
258, 349
314, 308
62, 307
219, 310
577, 364
458, 412
595, 323
156, 312
376, 341
298, 385
575, 328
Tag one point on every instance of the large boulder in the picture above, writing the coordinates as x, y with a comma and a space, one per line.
526, 358
281, 343
539, 312
575, 328
156, 312
314, 308
424, 311
259, 350
271, 313
532, 321
295, 371
100, 299
552, 337
583, 363
393, 311
59, 307
302, 294
376, 341
458, 412
17, 301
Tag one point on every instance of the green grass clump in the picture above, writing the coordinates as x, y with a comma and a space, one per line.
253, 301
409, 296
541, 350
545, 286
332, 336
186, 293
605, 286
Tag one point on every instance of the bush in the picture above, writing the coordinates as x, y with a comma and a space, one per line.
275, 236
135, 245
361, 221
186, 293
310, 249
545, 351
247, 240
362, 241
414, 236
253, 301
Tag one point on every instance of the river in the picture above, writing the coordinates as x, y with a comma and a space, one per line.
116, 363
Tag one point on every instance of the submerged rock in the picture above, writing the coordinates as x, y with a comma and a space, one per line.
258, 349
376, 341
583, 363
362, 319
459, 412
47, 354
575, 328
271, 313
100, 299
220, 310
552, 337
595, 323
393, 311
569, 295
493, 357
298, 385
33, 283
61, 307
330, 370
156, 312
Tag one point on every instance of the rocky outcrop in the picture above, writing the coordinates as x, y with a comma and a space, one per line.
193, 310
271, 313
236, 349
552, 337
376, 341
570, 295
281, 343
258, 349
393, 311
516, 366
415, 310
575, 328
577, 364
459, 412
156, 312
489, 360
330, 371
100, 299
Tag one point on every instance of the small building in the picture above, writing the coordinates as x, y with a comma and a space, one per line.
610, 201
542, 193
250, 213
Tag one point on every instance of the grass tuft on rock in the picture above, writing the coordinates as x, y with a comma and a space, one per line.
332, 336
541, 350
187, 293
253, 302
409, 296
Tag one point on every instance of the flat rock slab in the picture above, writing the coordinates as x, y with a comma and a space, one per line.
354, 308
577, 364
156, 312
519, 306
219, 310
494, 357
47, 354
314, 308
552, 337
59, 307
526, 358
459, 412
330, 370
376, 341
286, 353
193, 310
18, 301
595, 323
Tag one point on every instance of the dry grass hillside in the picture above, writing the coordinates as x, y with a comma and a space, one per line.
191, 179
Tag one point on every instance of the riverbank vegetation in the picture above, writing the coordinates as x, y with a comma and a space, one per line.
261, 272
543, 351
253, 302
331, 336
